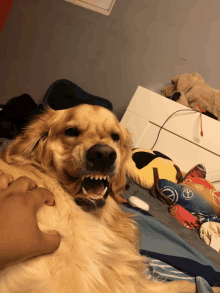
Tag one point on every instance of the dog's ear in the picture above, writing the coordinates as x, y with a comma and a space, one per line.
182, 82
120, 182
30, 144
126, 139
174, 81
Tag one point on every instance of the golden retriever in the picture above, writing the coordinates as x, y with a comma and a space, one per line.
80, 154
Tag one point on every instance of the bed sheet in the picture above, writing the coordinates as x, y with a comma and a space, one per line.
160, 212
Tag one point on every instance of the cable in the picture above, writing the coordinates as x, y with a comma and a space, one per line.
168, 119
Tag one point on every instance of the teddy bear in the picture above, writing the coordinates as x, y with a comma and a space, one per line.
191, 90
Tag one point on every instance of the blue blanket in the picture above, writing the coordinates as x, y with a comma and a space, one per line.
184, 262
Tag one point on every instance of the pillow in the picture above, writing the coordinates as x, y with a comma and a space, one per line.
184, 196
195, 179
140, 167
194, 193
184, 217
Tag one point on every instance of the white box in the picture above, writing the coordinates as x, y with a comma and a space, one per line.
180, 137
101, 6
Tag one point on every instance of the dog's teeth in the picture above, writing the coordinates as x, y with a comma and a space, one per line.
96, 177
95, 196
84, 191
104, 191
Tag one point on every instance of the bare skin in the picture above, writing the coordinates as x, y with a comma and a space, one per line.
20, 235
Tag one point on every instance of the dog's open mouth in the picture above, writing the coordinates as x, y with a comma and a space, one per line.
95, 190
95, 186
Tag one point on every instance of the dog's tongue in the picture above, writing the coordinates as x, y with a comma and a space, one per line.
93, 186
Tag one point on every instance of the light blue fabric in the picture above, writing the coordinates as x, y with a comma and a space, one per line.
202, 286
164, 272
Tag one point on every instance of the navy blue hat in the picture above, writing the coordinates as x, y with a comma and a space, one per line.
64, 94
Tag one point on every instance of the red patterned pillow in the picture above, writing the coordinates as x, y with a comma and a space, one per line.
195, 179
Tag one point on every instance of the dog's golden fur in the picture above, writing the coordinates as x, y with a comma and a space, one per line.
99, 249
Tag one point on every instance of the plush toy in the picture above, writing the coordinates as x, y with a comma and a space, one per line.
140, 170
140, 167
189, 195
192, 195
191, 90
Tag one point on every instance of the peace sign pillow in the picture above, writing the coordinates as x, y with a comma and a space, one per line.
194, 192
184, 196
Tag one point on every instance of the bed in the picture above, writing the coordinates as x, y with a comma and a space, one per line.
163, 237
181, 140
160, 211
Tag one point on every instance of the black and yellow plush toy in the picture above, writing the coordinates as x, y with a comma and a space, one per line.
141, 168
164, 180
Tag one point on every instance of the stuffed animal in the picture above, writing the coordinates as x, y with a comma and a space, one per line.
140, 167
189, 193
191, 90
193, 201
140, 170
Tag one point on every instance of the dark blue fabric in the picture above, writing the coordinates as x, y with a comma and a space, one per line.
160, 242
64, 94
203, 218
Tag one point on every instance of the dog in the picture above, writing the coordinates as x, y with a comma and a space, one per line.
80, 154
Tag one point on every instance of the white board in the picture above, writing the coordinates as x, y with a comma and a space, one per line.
180, 137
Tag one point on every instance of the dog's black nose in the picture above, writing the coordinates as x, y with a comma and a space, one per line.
101, 156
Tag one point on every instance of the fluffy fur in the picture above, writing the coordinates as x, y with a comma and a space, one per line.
99, 248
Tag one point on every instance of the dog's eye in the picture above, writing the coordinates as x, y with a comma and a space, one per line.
72, 132
115, 136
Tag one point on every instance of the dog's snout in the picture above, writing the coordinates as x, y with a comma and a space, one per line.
101, 154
